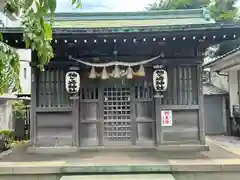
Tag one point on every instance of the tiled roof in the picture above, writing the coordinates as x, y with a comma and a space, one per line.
133, 19
218, 58
209, 89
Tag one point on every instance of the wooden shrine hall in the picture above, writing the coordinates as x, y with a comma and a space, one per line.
118, 59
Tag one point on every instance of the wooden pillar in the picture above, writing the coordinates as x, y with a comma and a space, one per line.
134, 127
33, 121
201, 119
224, 115
100, 115
75, 120
159, 133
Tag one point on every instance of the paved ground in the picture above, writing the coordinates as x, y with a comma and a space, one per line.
136, 157
229, 143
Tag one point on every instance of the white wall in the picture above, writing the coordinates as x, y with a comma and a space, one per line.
25, 70
233, 89
220, 81
25, 77
8, 22
5, 115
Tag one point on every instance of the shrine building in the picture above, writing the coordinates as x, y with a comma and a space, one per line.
118, 59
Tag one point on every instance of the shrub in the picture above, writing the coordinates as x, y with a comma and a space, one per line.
19, 109
7, 132
6, 138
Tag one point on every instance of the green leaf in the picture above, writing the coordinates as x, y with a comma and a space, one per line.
1, 37
73, 2
38, 5
52, 5
41, 2
27, 42
76, 3
79, 5
28, 3
42, 22
46, 4
41, 10
9, 68
48, 31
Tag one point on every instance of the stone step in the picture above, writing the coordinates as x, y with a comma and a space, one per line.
120, 177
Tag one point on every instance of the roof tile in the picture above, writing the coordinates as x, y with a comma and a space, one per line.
210, 89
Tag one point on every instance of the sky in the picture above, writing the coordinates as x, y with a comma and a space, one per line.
104, 5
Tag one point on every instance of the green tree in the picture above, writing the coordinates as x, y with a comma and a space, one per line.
177, 4
221, 10
37, 35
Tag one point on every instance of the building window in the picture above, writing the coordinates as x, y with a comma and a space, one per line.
25, 73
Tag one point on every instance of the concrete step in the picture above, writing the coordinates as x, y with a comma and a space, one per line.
120, 177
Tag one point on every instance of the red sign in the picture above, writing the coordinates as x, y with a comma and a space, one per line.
166, 117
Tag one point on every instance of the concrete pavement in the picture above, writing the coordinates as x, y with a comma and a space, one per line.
221, 162
228, 143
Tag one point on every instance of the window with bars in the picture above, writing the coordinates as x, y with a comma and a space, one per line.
51, 90
144, 90
182, 86
89, 93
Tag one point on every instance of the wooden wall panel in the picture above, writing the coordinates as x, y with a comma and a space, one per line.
51, 88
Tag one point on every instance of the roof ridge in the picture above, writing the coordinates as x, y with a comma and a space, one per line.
161, 14
222, 56
184, 11
229, 52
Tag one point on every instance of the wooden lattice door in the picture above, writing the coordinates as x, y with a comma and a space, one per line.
117, 113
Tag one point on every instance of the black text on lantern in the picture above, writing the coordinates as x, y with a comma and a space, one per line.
72, 82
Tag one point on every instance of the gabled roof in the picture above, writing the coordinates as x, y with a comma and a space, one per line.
191, 22
226, 56
133, 19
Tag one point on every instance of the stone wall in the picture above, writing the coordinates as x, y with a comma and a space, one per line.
5, 114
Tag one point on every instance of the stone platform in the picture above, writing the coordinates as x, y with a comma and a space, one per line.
218, 163
121, 177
